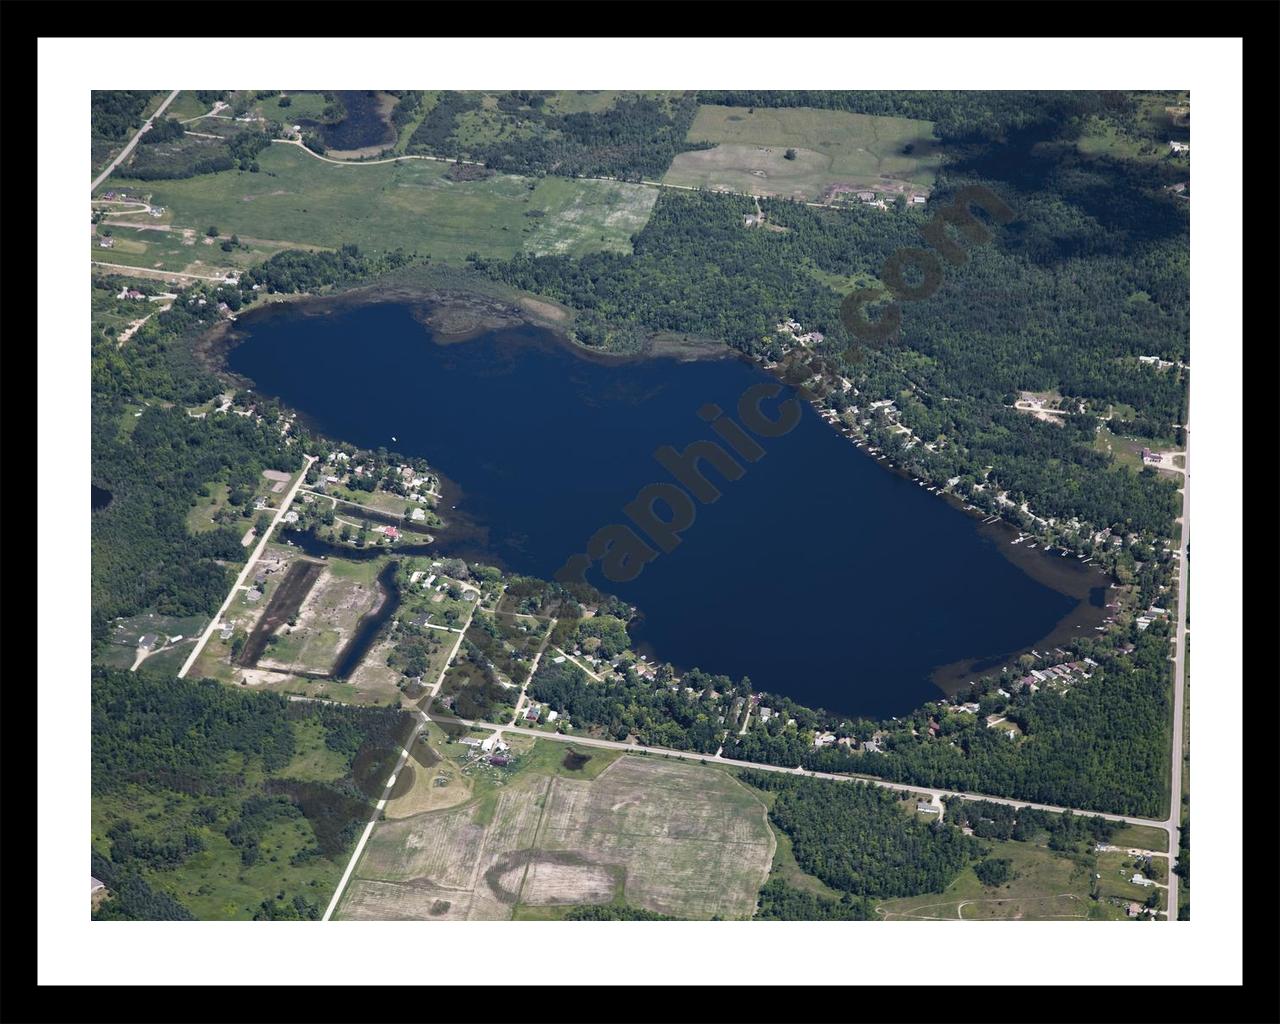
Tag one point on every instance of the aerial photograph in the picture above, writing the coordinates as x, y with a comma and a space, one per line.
659, 505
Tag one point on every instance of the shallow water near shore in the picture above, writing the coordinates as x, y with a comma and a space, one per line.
817, 573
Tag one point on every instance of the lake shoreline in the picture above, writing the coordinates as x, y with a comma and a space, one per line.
509, 365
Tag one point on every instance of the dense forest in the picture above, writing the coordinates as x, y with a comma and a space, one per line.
858, 838
636, 137
117, 113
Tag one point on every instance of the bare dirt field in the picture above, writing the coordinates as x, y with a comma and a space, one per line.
326, 621
679, 839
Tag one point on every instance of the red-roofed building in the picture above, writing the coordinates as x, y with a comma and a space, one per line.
392, 532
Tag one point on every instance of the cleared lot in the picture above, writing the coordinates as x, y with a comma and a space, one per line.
676, 838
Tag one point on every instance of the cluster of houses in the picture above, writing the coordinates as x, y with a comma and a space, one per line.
1062, 674
798, 334
130, 293
1179, 147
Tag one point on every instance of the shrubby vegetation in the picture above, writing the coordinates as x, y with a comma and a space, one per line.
295, 270
216, 756
117, 113
173, 154
635, 138
994, 871
782, 902
614, 912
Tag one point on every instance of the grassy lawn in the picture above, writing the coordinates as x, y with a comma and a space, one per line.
301, 200
1116, 870
185, 106
181, 250
830, 147
552, 757
1142, 837
200, 518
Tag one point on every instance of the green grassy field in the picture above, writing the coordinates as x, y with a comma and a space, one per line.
831, 147
1045, 886
1147, 139
171, 251
299, 199
1141, 837
185, 105
200, 518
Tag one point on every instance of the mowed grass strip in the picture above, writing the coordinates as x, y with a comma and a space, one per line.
831, 147
411, 205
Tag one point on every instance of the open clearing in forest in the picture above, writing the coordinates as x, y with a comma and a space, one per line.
411, 204
1045, 886
680, 839
832, 147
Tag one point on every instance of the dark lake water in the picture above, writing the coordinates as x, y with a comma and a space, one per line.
363, 125
101, 497
818, 573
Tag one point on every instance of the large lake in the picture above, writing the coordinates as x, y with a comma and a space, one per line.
818, 573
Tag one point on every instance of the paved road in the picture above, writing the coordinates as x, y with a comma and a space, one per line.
935, 795
132, 142
248, 566
1179, 682
400, 763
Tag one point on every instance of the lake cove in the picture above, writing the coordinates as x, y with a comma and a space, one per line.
816, 573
